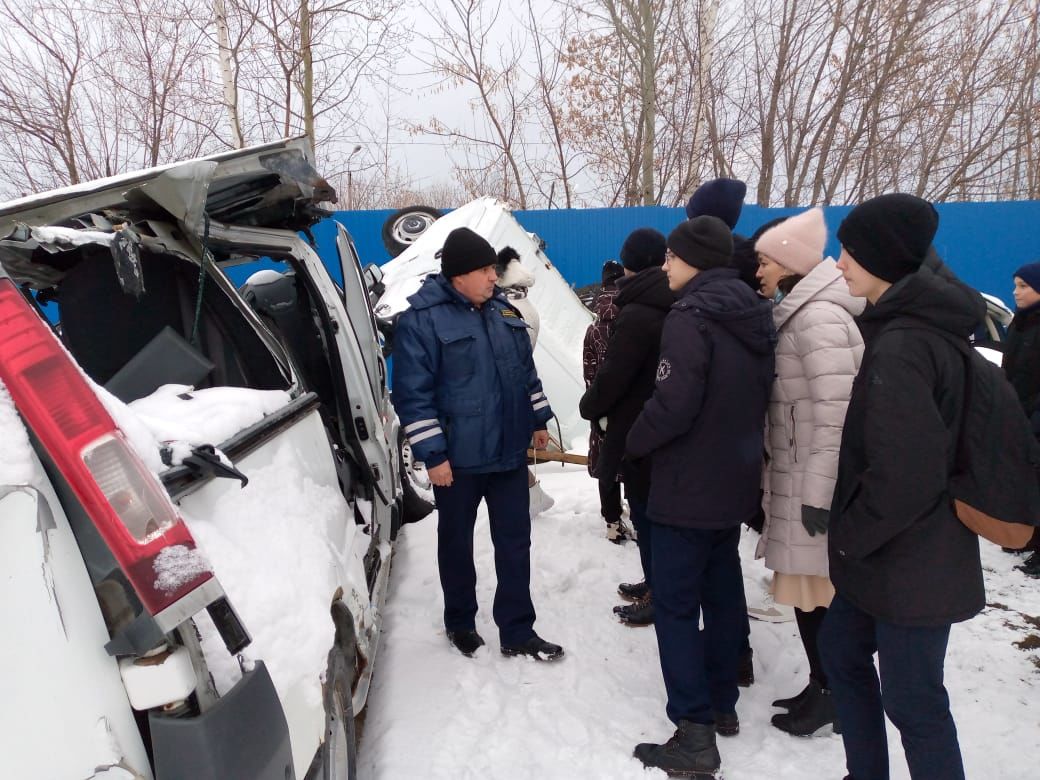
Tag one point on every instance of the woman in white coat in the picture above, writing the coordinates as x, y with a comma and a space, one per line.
818, 354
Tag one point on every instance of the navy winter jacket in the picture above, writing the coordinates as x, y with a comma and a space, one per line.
703, 426
464, 381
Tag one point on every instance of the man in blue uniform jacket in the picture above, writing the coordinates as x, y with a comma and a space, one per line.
470, 401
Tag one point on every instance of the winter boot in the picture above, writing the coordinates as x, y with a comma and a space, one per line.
727, 724
746, 669
771, 612
690, 752
639, 613
633, 591
815, 712
1031, 567
618, 532
535, 647
466, 642
794, 701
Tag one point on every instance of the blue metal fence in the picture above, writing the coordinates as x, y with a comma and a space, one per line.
983, 242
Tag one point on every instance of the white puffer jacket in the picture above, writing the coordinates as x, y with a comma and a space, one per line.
818, 353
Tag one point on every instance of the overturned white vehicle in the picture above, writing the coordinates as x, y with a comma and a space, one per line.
199, 499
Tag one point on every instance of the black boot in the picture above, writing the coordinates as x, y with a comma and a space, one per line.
641, 613
793, 702
466, 642
1031, 567
535, 647
727, 724
814, 713
746, 669
633, 591
691, 752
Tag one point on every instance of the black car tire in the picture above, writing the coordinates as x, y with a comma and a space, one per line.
403, 227
415, 507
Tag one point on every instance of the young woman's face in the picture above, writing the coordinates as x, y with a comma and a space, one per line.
1024, 294
769, 274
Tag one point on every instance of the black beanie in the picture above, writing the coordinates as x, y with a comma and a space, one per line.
465, 251
889, 235
722, 198
702, 242
612, 271
644, 248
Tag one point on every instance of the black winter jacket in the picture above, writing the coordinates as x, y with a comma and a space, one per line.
1022, 362
897, 550
703, 426
625, 379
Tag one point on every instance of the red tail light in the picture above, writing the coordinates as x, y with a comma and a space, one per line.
127, 504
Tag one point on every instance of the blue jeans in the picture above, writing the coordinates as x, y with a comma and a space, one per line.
508, 503
910, 690
698, 571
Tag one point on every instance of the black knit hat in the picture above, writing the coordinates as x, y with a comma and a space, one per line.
722, 198
889, 235
465, 251
612, 271
702, 242
644, 248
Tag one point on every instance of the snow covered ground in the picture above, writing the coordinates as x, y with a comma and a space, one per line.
434, 714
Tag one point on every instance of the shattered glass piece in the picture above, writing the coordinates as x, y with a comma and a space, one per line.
126, 253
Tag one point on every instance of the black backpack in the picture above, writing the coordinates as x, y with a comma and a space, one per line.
995, 483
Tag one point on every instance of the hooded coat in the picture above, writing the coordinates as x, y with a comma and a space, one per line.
593, 350
625, 379
1022, 361
897, 550
465, 385
818, 353
703, 426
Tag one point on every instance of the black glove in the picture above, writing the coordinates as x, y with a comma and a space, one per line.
815, 520
758, 520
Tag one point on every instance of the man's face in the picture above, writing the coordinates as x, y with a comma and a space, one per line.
678, 272
477, 286
1024, 294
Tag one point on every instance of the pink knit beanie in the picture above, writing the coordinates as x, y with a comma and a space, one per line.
796, 243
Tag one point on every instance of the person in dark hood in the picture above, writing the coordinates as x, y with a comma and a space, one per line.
703, 432
622, 385
1022, 367
724, 198
903, 566
594, 349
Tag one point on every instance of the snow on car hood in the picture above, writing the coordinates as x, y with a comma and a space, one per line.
563, 317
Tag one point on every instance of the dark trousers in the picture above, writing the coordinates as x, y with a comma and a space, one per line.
644, 534
508, 501
910, 691
695, 572
610, 499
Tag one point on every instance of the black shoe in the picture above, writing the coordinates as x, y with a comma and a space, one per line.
536, 648
746, 669
466, 642
794, 701
691, 752
633, 591
814, 713
641, 613
727, 724
1031, 567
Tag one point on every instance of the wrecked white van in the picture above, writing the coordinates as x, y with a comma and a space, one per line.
199, 496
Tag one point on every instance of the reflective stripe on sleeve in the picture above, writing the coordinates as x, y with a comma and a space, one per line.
413, 440
417, 425
540, 405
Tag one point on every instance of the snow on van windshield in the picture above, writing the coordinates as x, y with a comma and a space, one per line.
16, 458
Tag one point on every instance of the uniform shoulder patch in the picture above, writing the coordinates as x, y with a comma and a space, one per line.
664, 370
508, 313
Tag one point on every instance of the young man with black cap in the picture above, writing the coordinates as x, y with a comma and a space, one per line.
622, 385
904, 567
469, 400
703, 432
